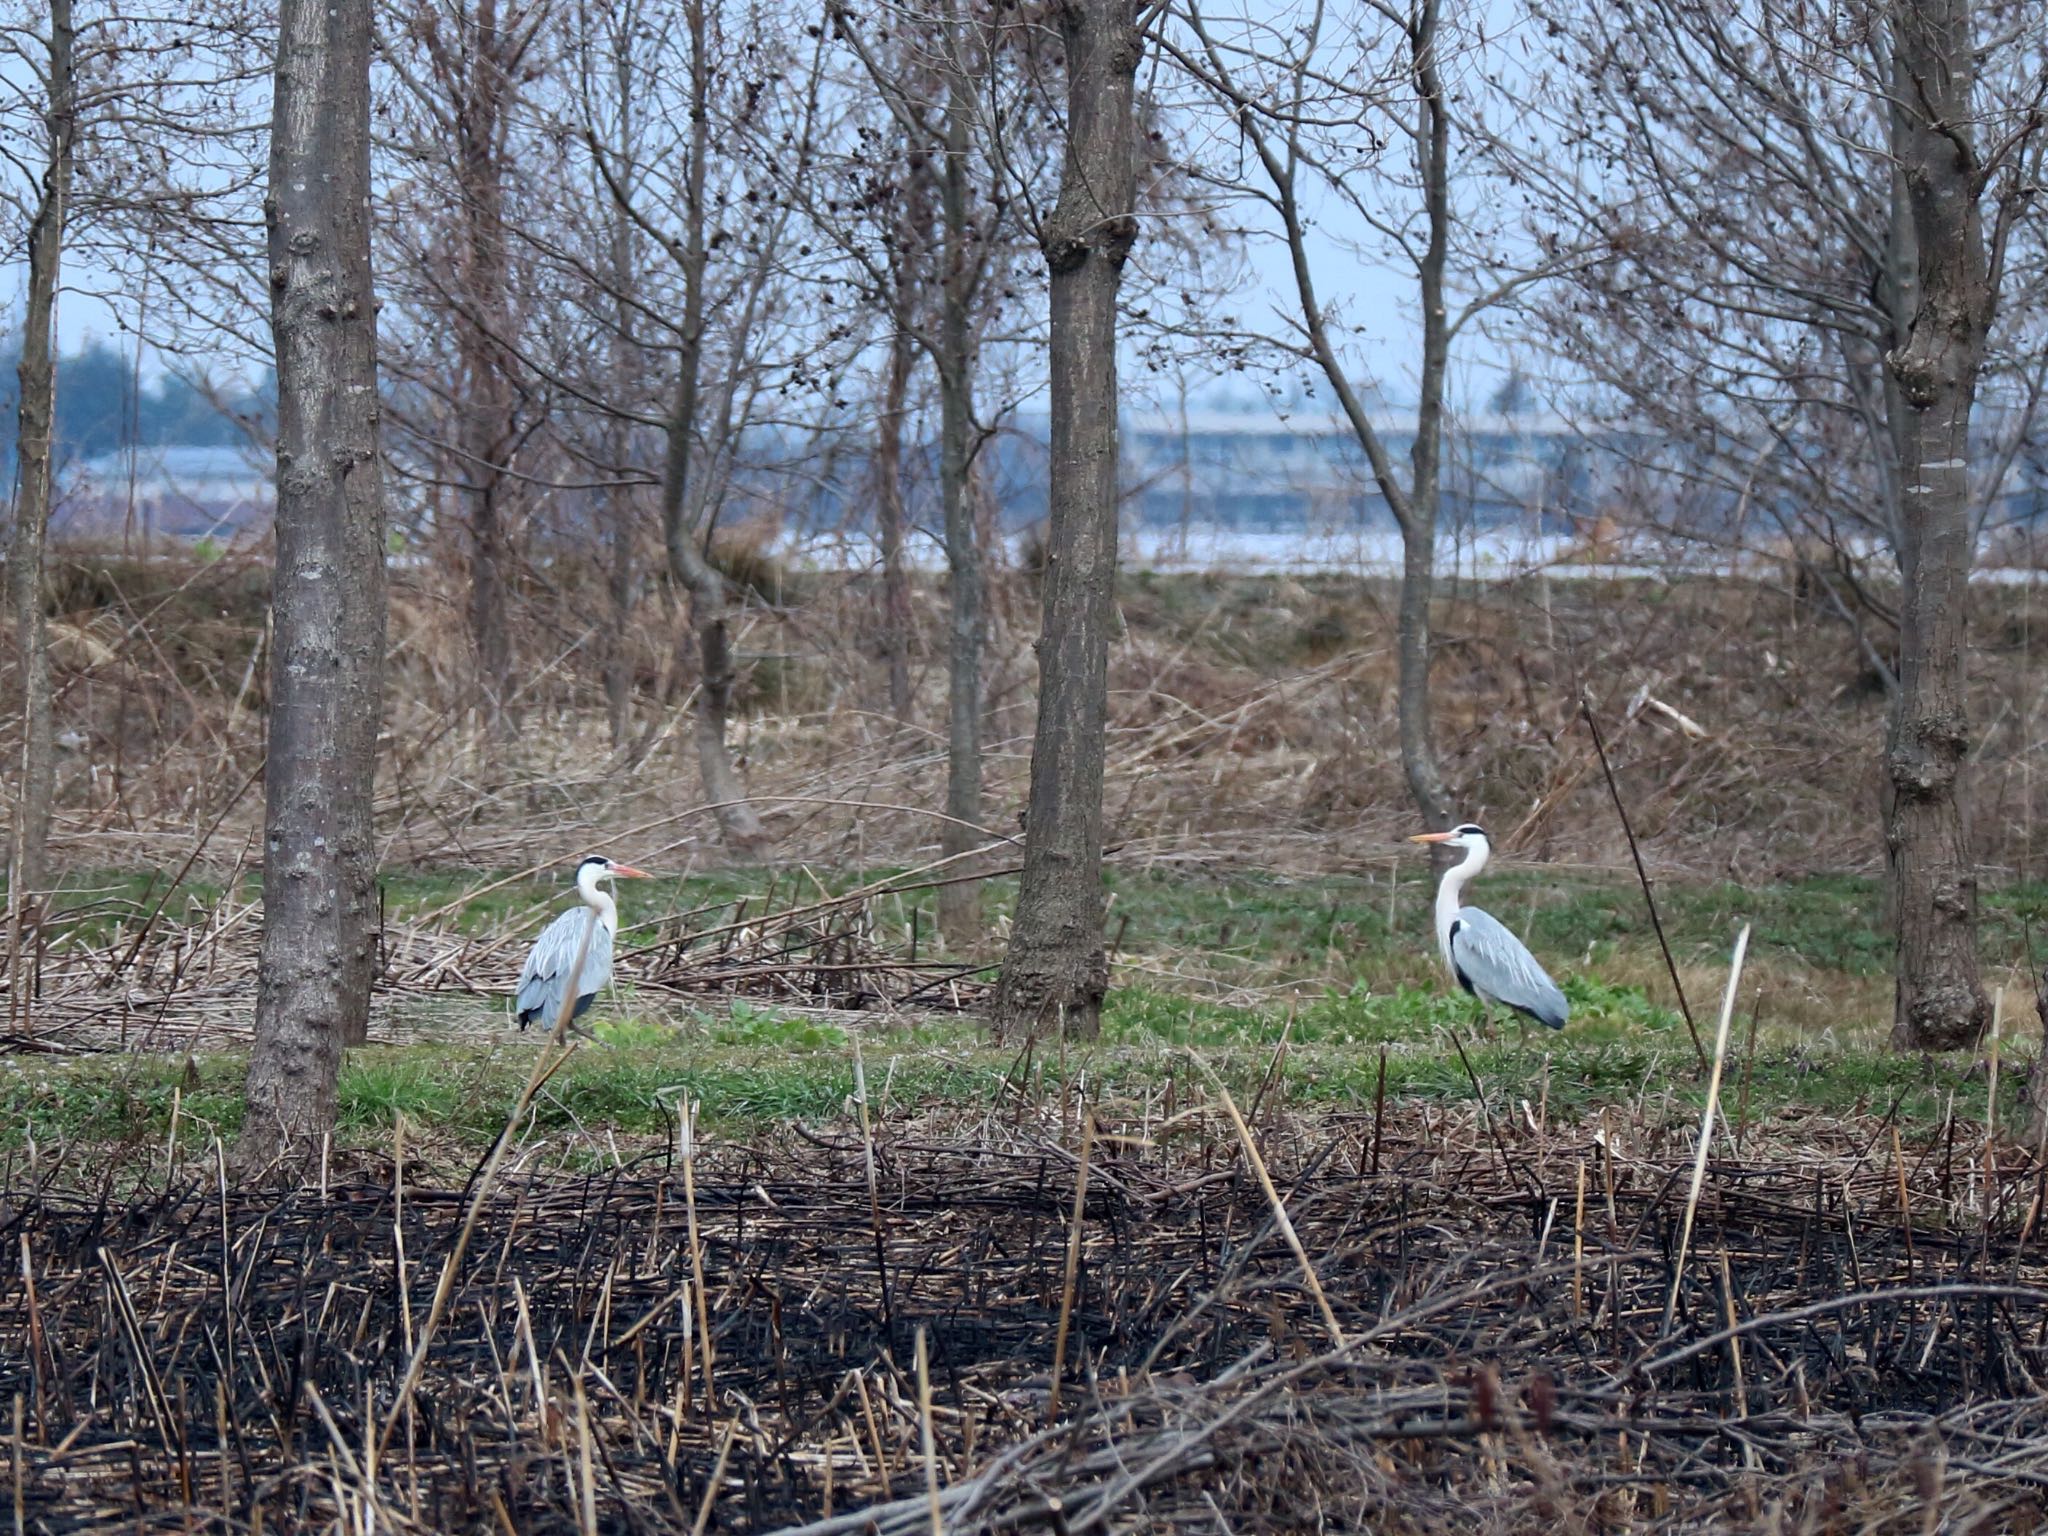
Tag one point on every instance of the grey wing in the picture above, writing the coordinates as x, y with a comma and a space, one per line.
546, 975
1493, 963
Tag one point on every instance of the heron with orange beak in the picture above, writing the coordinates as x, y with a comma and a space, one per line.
545, 978
1485, 958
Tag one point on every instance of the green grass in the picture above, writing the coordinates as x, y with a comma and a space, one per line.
1341, 969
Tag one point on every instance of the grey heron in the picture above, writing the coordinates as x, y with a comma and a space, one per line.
545, 978
1481, 954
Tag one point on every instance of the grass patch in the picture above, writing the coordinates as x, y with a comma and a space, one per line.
1341, 968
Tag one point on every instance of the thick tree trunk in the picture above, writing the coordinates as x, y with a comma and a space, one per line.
1056, 972
960, 905
1939, 997
889, 512
36, 415
319, 858
693, 574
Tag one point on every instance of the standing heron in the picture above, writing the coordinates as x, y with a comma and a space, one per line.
1486, 959
545, 978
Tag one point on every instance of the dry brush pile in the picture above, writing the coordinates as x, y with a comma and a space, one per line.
171, 973
842, 1333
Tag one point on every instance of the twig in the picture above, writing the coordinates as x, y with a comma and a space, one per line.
1643, 877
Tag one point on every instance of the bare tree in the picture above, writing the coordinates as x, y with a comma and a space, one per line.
319, 861
1056, 972
722, 242
933, 83
55, 73
1935, 369
1312, 102
1807, 272
892, 518
478, 57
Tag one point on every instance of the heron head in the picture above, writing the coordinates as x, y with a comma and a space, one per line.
597, 867
1468, 834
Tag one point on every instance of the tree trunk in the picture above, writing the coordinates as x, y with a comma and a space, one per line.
36, 419
1418, 527
889, 513
1412, 640
483, 318
319, 859
709, 602
1939, 999
1414, 505
618, 495
1056, 972
960, 904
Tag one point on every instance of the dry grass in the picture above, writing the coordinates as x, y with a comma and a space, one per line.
1857, 1340
1251, 722
1855, 1348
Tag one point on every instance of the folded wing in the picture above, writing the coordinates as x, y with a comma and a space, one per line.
1493, 964
545, 978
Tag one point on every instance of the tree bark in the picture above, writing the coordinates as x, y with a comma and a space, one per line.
960, 903
481, 80
1056, 972
705, 588
36, 416
889, 511
319, 861
1939, 999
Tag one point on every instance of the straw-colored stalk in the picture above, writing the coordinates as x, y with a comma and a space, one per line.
697, 1250
1280, 1216
1059, 1342
928, 1440
1706, 1141
546, 1064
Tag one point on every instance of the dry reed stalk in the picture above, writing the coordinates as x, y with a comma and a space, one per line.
1279, 1206
1059, 1341
867, 1145
1579, 1244
1734, 1346
867, 1413
717, 1477
1991, 1122
586, 1472
697, 1250
545, 1065
1706, 1141
928, 1442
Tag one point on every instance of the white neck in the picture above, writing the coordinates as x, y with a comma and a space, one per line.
1448, 893
586, 885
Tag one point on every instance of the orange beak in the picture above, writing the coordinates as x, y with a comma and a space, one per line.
630, 872
1432, 837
